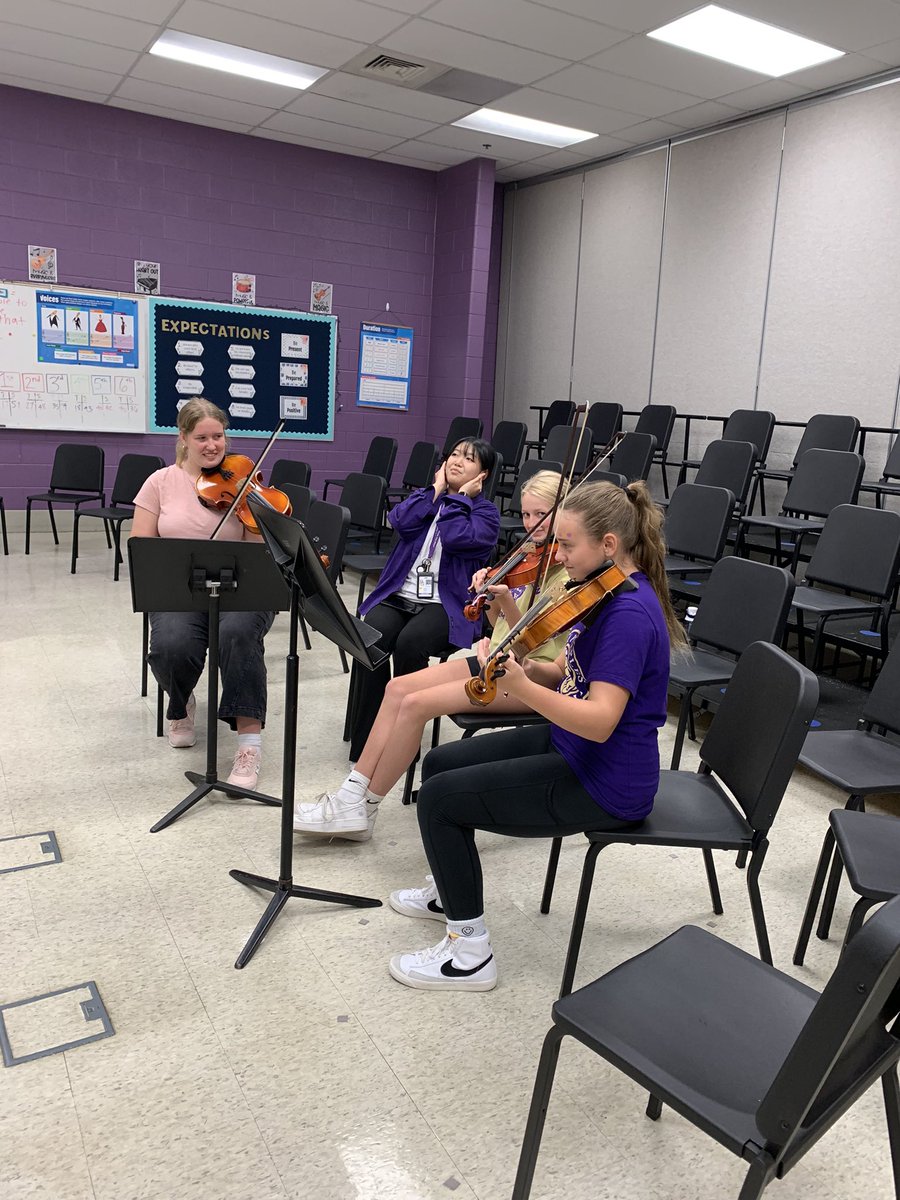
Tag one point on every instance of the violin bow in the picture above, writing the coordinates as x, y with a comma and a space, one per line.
239, 495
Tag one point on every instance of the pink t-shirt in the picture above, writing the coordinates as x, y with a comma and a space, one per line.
170, 495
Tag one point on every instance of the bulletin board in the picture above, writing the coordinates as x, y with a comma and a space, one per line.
72, 358
261, 365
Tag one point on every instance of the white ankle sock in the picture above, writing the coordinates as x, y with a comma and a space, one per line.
249, 739
353, 789
467, 929
371, 798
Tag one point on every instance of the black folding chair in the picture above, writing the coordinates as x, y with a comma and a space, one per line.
290, 470
76, 478
420, 468
461, 427
300, 497
758, 1061
824, 431
560, 412
754, 425
727, 464
752, 747
508, 439
568, 442
327, 526
889, 483
659, 421
363, 496
604, 421
697, 521
380, 459
633, 457
133, 472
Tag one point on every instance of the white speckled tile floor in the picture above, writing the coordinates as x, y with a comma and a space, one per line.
311, 1074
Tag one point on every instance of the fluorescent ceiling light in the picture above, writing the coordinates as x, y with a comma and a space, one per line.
755, 45
237, 60
524, 129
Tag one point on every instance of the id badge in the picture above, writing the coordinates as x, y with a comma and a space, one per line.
425, 585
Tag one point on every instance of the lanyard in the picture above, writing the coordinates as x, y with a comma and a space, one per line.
425, 565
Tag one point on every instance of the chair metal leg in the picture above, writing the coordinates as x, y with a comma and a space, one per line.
160, 710
305, 633
713, 882
654, 1108
344, 662
550, 876
815, 895
831, 891
106, 531
860, 908
801, 639
435, 732
53, 524
537, 1114
581, 907
27, 526
410, 780
684, 709
3, 527
757, 859
74, 540
145, 649
818, 647
891, 1090
117, 543
757, 1178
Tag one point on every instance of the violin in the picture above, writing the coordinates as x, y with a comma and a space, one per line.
545, 621
236, 477
519, 570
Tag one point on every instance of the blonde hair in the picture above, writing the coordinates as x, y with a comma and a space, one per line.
196, 410
635, 519
544, 486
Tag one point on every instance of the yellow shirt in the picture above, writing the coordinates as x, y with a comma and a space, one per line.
523, 598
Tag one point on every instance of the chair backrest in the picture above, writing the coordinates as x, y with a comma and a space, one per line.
608, 477
380, 458
300, 497
604, 421
844, 1044
560, 412
132, 473
828, 431
289, 470
77, 468
859, 549
697, 520
529, 467
744, 601
751, 425
561, 446
823, 480
422, 464
327, 525
883, 704
728, 464
892, 466
489, 486
508, 439
758, 731
658, 419
633, 456
363, 497
461, 427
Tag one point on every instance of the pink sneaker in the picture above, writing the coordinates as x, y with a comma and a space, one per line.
245, 772
181, 733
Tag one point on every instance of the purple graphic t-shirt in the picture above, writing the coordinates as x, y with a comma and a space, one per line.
627, 645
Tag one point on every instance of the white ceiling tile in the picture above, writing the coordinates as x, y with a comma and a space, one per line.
762, 95
528, 25
558, 160
343, 113
375, 94
635, 16
212, 83
483, 145
447, 156
55, 89
61, 48
198, 103
563, 110
410, 7
330, 131
519, 171
148, 10
420, 164
296, 140
78, 22
887, 52
615, 91
830, 74
838, 23
172, 114
710, 112
43, 69
599, 147
672, 67
339, 17
648, 131
485, 56
257, 33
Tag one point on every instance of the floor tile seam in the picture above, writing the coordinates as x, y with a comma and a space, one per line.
84, 1149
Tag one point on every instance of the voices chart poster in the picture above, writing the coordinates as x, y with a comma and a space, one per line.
74, 328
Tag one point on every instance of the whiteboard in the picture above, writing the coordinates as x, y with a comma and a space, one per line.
87, 396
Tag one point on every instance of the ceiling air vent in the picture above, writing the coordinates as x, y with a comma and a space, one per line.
375, 63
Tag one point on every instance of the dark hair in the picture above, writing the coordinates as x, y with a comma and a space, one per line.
483, 451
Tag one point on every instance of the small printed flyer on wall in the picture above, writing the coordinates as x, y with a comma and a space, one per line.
385, 363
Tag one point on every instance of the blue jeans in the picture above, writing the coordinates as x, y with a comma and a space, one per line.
178, 644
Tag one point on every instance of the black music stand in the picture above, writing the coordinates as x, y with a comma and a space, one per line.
187, 575
313, 596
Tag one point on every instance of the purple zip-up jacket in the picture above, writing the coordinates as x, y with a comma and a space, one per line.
468, 529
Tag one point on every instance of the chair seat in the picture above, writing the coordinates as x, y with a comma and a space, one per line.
824, 603
674, 564
712, 1050
885, 486
108, 514
485, 720
785, 524
700, 667
869, 844
65, 497
854, 760
511, 524
688, 810
366, 563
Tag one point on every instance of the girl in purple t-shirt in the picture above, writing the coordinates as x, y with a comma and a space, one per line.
595, 765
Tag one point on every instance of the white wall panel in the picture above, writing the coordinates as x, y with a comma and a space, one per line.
622, 227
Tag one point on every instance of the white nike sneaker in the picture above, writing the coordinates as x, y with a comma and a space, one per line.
418, 902
455, 964
332, 816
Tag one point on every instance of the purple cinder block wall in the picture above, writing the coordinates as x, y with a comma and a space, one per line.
107, 186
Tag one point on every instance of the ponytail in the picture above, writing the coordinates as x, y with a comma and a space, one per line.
631, 514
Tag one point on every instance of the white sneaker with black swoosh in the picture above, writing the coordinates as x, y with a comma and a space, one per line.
455, 964
418, 902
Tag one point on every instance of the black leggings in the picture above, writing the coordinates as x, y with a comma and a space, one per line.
513, 783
